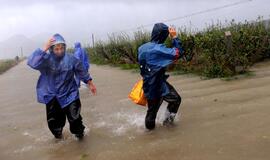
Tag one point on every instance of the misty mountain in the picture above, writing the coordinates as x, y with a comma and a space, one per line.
17, 45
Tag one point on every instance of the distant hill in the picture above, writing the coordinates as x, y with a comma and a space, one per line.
16, 45
40, 38
12, 46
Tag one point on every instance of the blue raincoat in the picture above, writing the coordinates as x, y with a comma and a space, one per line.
56, 78
154, 57
81, 54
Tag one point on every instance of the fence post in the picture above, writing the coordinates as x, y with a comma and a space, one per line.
93, 40
229, 49
228, 38
229, 54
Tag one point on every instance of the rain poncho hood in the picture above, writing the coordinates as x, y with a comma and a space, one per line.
81, 55
58, 40
56, 78
77, 45
160, 33
154, 57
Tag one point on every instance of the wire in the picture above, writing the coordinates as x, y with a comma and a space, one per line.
189, 15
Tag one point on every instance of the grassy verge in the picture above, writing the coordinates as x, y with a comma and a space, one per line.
6, 65
219, 51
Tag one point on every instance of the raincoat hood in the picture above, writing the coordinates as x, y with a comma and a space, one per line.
77, 45
160, 33
58, 40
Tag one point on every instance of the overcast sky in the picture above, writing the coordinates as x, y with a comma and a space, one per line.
77, 19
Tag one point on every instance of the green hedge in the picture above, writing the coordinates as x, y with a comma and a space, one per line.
6, 65
213, 54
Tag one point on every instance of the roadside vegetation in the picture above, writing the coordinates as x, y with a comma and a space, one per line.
220, 50
7, 64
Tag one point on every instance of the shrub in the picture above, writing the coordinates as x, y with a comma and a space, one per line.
209, 52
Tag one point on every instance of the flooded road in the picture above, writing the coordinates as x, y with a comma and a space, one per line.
220, 120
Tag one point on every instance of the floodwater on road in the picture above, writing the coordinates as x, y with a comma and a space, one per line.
220, 120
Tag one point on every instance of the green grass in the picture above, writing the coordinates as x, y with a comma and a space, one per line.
215, 55
247, 74
84, 156
128, 66
6, 65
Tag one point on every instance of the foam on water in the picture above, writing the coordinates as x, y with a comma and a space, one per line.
122, 122
24, 149
46, 140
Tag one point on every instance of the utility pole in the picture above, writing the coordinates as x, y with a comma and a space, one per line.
93, 40
21, 52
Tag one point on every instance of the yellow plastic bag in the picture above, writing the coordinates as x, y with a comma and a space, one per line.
137, 95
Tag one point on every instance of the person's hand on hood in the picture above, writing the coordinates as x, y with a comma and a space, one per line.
172, 32
48, 44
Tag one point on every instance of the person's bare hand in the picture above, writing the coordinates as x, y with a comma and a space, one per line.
172, 32
92, 87
48, 44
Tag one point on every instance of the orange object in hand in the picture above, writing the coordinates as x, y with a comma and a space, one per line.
137, 95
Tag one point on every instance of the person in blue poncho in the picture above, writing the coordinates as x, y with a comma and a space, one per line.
56, 86
153, 58
81, 54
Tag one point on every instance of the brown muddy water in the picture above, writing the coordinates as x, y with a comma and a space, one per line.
220, 120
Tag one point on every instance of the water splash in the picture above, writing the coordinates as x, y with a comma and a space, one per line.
125, 121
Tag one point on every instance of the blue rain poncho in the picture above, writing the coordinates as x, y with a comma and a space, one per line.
154, 57
56, 78
81, 54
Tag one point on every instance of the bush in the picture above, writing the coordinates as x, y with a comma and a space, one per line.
209, 52
6, 65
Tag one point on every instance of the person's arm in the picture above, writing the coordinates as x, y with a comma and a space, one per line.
77, 53
170, 54
38, 59
163, 52
84, 76
86, 60
92, 87
164, 56
176, 42
82, 56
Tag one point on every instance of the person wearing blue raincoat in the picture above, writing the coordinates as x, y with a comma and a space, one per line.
153, 58
56, 86
81, 54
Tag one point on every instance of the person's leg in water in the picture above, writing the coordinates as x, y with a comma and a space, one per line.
56, 118
174, 101
172, 98
74, 117
153, 107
